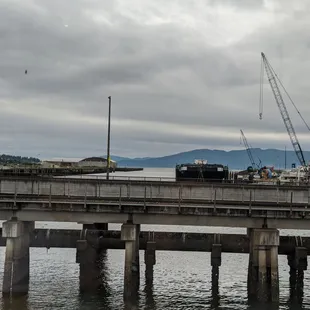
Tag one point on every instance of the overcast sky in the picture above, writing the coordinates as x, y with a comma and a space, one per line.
182, 75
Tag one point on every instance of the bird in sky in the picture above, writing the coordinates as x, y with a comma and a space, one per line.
26, 71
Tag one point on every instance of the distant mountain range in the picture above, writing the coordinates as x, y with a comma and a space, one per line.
237, 159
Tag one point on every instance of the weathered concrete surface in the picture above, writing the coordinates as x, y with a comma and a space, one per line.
216, 261
298, 264
165, 241
191, 213
169, 215
130, 235
16, 266
263, 276
76, 200
90, 257
155, 190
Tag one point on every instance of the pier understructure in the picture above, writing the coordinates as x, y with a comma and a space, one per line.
262, 245
95, 204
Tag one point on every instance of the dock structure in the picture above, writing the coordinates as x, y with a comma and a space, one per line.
95, 203
37, 171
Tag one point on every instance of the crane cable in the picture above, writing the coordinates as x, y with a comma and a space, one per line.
261, 92
261, 96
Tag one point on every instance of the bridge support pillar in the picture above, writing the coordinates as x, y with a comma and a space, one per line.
263, 276
96, 226
150, 261
90, 257
216, 261
130, 234
16, 265
298, 263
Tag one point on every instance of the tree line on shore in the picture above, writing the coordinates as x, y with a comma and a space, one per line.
11, 159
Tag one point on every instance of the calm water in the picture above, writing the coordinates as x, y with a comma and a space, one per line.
182, 280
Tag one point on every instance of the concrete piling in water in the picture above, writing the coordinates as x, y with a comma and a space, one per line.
216, 261
16, 266
89, 257
263, 276
129, 234
150, 261
298, 263
137, 253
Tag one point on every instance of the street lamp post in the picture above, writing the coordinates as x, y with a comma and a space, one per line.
109, 135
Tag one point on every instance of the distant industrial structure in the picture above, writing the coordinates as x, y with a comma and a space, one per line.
98, 162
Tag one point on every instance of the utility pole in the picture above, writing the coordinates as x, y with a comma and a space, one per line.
109, 128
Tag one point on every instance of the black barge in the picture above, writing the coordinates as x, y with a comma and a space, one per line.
200, 172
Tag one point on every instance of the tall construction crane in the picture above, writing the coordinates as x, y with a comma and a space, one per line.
248, 149
284, 113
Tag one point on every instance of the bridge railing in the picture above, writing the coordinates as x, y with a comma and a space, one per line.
120, 177
164, 179
75, 189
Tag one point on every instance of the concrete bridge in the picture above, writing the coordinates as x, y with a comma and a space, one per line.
95, 203
165, 203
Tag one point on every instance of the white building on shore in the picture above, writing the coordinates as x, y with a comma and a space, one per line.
90, 162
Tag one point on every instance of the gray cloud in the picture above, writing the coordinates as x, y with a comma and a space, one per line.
181, 76
240, 4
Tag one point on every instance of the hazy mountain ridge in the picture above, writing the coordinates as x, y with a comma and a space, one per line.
236, 159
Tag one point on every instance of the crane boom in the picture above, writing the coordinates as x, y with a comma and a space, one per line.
284, 113
247, 147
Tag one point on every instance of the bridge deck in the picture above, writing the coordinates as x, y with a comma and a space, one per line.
170, 203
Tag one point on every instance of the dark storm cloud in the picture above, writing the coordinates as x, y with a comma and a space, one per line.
180, 76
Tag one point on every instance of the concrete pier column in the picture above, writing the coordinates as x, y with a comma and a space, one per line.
298, 264
129, 234
16, 265
263, 277
216, 261
150, 261
90, 257
137, 252
252, 274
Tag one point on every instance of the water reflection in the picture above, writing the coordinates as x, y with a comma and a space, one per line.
100, 293
255, 305
296, 289
215, 297
15, 303
150, 303
132, 304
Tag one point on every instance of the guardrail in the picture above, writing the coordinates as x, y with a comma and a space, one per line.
165, 179
151, 189
121, 177
101, 177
